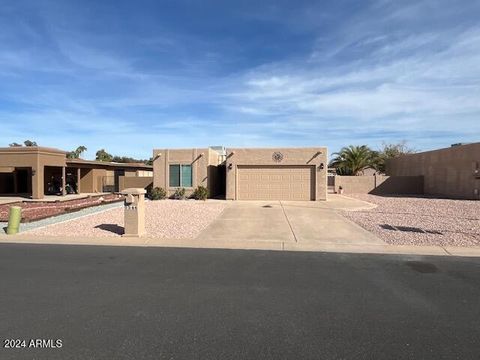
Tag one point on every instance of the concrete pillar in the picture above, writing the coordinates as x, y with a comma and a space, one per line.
64, 181
79, 178
167, 171
38, 188
134, 212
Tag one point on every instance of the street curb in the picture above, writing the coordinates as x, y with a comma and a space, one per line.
247, 245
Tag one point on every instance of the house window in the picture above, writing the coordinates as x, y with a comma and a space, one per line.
186, 176
180, 176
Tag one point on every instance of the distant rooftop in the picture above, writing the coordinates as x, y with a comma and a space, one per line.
41, 149
116, 164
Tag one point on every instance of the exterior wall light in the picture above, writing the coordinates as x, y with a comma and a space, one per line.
321, 167
230, 166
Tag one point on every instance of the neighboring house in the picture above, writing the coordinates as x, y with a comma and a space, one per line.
245, 174
35, 171
452, 172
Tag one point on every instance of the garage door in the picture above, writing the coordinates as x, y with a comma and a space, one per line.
275, 183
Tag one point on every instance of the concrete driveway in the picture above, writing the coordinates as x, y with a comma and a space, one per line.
290, 222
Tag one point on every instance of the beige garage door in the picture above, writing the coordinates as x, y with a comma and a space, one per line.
275, 183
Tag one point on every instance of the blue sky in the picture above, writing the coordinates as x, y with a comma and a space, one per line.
130, 76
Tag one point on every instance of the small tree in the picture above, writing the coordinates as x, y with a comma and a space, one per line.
390, 151
102, 155
25, 143
30, 143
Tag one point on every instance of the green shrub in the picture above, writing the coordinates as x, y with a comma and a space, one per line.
200, 193
179, 194
157, 193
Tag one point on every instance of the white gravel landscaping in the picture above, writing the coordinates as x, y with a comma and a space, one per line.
420, 220
172, 219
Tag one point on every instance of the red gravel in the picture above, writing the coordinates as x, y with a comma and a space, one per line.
420, 221
39, 210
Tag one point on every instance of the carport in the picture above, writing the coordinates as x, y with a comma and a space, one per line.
34, 172
22, 169
61, 180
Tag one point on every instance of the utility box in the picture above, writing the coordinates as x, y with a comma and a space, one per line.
134, 212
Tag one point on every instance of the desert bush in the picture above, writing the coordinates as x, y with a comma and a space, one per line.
200, 193
157, 193
179, 194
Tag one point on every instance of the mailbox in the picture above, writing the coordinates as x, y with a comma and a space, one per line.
134, 212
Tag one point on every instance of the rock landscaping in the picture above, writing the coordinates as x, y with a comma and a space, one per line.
172, 219
403, 220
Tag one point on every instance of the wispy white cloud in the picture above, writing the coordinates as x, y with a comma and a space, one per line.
384, 70
444, 83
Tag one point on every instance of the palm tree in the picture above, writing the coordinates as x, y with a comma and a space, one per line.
75, 154
352, 160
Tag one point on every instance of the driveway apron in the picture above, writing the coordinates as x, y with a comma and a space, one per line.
286, 221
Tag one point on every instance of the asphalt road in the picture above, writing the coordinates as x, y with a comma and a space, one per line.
159, 303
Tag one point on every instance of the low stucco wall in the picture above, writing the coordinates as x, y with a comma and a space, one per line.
380, 185
126, 182
451, 172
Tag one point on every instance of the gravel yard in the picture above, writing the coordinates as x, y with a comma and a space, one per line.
32, 211
420, 221
172, 219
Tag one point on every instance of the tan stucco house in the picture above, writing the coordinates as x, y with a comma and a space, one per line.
189, 168
245, 173
233, 174
30, 171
